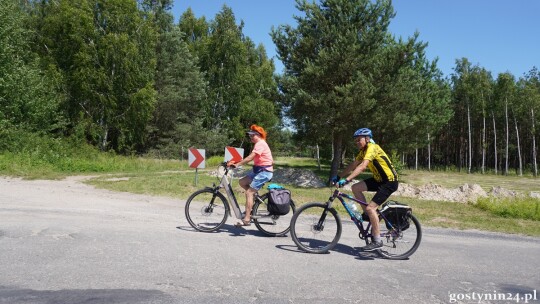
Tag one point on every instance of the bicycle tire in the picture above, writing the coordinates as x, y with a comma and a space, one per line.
272, 225
399, 245
312, 235
206, 210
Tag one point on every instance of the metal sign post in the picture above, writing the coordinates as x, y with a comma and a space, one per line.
196, 160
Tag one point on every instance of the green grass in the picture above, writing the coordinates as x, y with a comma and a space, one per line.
32, 156
522, 208
431, 213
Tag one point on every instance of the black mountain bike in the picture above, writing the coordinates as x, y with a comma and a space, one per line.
207, 209
316, 227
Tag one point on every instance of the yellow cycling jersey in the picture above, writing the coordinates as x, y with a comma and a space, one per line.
379, 163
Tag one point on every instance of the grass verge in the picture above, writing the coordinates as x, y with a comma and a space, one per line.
430, 213
33, 156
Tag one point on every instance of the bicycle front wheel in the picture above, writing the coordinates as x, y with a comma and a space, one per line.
207, 210
399, 244
272, 225
315, 228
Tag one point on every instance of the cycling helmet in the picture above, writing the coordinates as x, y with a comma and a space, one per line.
363, 132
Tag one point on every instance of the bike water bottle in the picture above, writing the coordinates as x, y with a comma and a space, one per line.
356, 213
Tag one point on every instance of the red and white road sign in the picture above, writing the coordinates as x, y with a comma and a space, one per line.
235, 154
196, 158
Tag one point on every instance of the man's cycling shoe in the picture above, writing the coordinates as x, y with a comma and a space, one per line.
372, 246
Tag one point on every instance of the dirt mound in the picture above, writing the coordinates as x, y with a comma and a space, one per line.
298, 177
465, 193
462, 194
289, 176
499, 191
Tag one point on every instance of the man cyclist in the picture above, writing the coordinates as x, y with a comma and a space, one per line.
384, 180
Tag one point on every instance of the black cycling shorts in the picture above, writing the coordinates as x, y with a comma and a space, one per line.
383, 189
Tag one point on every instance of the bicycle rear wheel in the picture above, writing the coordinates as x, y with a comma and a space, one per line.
272, 225
400, 244
206, 210
316, 229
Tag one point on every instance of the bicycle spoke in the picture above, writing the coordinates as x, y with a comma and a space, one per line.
312, 235
401, 244
206, 211
272, 225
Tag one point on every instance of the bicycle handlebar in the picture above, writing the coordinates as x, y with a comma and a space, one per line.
227, 168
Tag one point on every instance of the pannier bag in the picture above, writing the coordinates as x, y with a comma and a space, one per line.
397, 214
279, 200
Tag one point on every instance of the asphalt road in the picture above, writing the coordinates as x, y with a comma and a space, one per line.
66, 242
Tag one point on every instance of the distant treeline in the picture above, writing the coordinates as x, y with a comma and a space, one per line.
124, 77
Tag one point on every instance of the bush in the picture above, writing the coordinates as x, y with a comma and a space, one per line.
398, 165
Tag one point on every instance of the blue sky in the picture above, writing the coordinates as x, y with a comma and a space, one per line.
499, 35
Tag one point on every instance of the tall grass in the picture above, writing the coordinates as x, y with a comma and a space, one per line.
31, 155
521, 208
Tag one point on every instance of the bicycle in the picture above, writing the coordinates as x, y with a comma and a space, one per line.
207, 209
316, 227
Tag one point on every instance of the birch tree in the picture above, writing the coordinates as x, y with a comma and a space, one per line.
504, 93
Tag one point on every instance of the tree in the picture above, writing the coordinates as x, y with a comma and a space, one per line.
472, 91
180, 87
529, 94
196, 31
29, 96
341, 65
240, 79
482, 84
504, 94
106, 52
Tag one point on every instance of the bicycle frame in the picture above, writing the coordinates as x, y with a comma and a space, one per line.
341, 197
225, 183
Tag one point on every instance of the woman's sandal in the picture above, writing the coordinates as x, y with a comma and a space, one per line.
243, 223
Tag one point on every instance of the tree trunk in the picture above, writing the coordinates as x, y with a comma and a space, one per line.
483, 135
470, 138
105, 133
343, 154
507, 136
104, 139
429, 152
416, 159
318, 159
535, 166
484, 145
336, 155
520, 172
494, 141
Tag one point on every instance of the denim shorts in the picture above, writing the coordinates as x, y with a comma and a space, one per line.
258, 179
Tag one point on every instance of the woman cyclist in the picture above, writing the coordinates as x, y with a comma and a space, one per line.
262, 169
